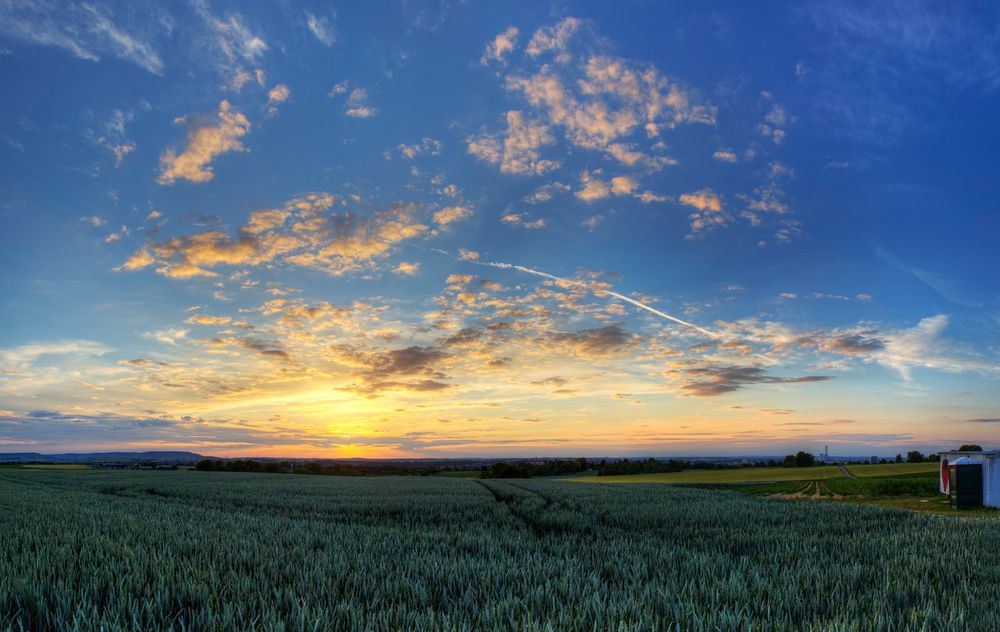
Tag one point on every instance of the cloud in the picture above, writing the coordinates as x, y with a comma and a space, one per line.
85, 30
554, 38
717, 380
301, 233
984, 420
204, 319
407, 269
426, 145
93, 220
594, 342
854, 344
117, 235
723, 155
111, 135
518, 152
409, 369
593, 189
501, 45
207, 137
278, 94
169, 336
451, 214
774, 123
357, 104
516, 219
769, 198
321, 28
703, 200
18, 359
708, 211
231, 41
599, 101
546, 192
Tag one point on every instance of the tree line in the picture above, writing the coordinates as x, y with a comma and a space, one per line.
525, 469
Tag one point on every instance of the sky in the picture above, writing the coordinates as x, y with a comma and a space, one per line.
450, 229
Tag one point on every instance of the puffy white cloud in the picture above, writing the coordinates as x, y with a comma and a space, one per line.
170, 336
724, 155
703, 200
554, 38
207, 137
708, 211
603, 100
278, 94
451, 214
205, 319
501, 46
275, 96
518, 153
594, 188
408, 269
302, 233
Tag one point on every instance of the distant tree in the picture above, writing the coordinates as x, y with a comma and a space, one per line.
899, 458
933, 457
914, 456
789, 461
804, 459
971, 447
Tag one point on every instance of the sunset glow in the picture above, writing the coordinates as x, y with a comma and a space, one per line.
442, 230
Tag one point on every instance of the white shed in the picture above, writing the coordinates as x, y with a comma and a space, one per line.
989, 459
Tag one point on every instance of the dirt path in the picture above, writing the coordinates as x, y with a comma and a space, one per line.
799, 494
846, 472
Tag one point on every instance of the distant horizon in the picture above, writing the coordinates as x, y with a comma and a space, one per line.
489, 457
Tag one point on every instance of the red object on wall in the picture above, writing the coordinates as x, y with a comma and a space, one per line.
945, 476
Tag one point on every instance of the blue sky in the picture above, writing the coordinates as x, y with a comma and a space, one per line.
269, 229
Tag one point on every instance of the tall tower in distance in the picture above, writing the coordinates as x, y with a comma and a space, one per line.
826, 453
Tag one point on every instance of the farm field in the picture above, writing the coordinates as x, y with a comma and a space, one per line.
761, 474
118, 550
734, 475
43, 466
893, 469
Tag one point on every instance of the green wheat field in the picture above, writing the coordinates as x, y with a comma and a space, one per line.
119, 550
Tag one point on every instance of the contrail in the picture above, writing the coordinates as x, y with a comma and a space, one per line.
621, 297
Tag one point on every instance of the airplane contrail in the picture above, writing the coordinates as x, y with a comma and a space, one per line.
621, 297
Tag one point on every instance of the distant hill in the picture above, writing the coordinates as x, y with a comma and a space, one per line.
101, 457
